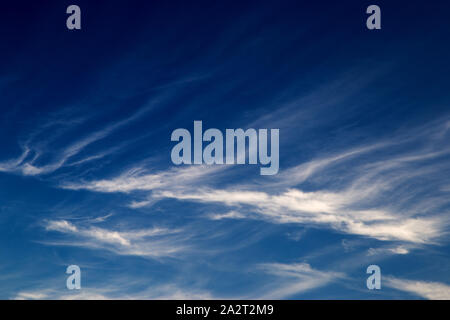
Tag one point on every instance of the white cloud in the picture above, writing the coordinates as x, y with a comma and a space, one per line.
137, 179
388, 250
61, 226
116, 291
424, 289
154, 242
291, 279
228, 215
31, 296
323, 208
300, 173
295, 279
378, 191
29, 167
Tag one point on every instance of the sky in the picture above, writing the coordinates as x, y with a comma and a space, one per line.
86, 176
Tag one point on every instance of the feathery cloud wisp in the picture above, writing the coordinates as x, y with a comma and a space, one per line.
424, 289
296, 278
152, 243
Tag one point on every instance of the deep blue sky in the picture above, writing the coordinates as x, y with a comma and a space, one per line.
86, 176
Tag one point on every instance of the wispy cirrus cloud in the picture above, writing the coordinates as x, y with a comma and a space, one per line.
360, 191
402, 249
295, 206
151, 243
31, 295
138, 179
117, 292
425, 289
290, 280
40, 157
227, 215
295, 278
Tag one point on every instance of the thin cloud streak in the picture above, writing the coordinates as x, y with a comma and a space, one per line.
370, 199
28, 167
138, 179
111, 292
151, 243
424, 289
295, 278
